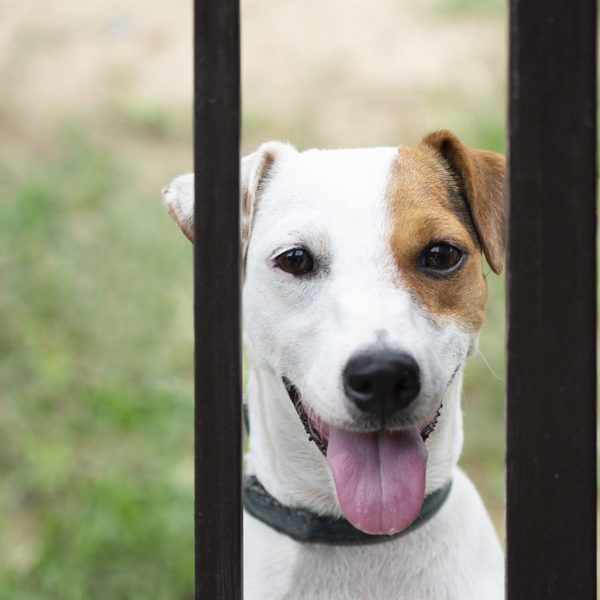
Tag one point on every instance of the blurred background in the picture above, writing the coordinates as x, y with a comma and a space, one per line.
96, 280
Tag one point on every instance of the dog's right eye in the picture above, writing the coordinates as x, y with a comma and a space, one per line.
441, 259
296, 261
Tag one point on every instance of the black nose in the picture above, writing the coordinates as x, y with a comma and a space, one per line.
381, 382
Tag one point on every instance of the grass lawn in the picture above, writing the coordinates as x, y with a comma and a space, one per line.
95, 411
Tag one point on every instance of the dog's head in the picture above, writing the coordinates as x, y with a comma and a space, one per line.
364, 293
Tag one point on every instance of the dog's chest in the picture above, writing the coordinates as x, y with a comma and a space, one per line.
455, 556
277, 568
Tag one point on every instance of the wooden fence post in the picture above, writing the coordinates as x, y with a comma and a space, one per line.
218, 452
551, 302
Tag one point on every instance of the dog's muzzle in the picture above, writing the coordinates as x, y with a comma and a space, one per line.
379, 475
317, 430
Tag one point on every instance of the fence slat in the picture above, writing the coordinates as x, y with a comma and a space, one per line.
551, 302
218, 514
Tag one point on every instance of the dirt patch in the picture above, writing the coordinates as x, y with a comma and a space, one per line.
333, 73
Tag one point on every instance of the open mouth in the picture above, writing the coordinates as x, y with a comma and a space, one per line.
379, 476
318, 431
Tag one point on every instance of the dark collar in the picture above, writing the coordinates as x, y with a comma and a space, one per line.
304, 526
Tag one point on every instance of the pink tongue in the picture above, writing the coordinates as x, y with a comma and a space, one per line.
379, 477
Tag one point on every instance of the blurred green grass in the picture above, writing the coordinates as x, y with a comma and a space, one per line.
95, 410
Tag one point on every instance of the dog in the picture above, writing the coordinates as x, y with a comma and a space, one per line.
363, 295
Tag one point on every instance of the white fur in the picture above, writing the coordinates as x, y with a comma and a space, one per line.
333, 202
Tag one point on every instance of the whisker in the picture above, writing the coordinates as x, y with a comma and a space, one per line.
487, 364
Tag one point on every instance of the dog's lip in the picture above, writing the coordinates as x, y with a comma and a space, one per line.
318, 430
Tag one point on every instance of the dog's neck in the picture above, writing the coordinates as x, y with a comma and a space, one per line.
294, 471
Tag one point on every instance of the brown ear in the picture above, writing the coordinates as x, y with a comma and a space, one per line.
480, 174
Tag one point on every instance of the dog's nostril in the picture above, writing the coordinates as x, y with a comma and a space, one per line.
400, 386
407, 379
381, 381
361, 385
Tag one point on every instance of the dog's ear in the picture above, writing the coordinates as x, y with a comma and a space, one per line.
480, 175
256, 169
178, 196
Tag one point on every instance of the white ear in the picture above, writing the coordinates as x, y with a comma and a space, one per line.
256, 169
178, 196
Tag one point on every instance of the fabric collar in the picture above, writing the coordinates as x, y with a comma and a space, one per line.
305, 526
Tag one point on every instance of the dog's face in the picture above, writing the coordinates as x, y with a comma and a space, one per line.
364, 293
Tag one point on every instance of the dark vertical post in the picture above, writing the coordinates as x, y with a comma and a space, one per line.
218, 515
551, 276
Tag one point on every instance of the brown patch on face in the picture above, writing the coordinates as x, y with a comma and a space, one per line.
479, 176
422, 204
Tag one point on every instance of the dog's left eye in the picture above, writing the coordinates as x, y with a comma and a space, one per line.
296, 261
442, 258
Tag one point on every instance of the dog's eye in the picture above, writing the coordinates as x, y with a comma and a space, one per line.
442, 258
296, 261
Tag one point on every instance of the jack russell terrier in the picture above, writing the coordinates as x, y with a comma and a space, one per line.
363, 296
